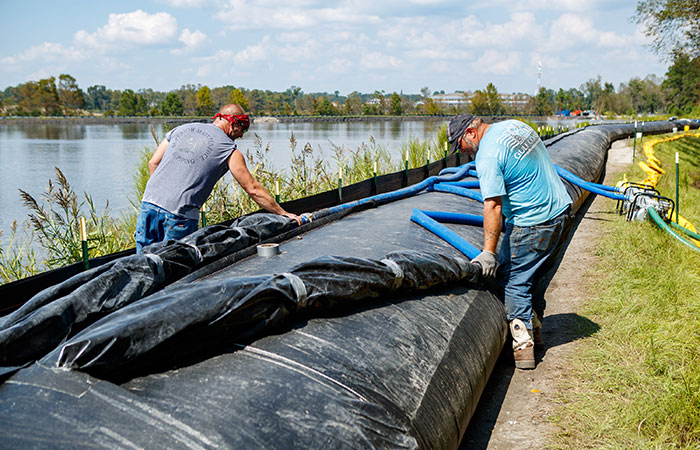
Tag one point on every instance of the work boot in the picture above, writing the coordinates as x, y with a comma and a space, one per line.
523, 345
537, 331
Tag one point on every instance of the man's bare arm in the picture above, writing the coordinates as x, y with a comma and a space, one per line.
252, 187
492, 222
157, 157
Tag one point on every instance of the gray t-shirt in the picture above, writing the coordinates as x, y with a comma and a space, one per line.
195, 159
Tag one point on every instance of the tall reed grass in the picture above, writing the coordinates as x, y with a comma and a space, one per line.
53, 218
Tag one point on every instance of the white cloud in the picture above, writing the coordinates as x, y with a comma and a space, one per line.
498, 63
573, 31
252, 53
192, 40
185, 3
376, 60
48, 51
299, 53
298, 36
136, 27
550, 5
294, 15
521, 29
340, 66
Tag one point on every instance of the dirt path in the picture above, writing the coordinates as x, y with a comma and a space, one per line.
515, 405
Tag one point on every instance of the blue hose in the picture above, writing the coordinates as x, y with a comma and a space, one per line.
442, 187
445, 233
449, 170
587, 184
394, 195
600, 189
469, 184
459, 218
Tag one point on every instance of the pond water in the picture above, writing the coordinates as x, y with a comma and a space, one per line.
101, 159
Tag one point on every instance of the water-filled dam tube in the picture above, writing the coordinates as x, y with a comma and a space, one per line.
368, 331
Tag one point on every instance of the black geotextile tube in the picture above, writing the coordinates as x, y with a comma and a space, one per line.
58, 312
405, 372
238, 309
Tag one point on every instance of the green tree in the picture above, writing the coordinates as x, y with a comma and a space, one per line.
205, 107
593, 90
683, 83
187, 94
238, 98
70, 95
381, 96
480, 103
563, 100
38, 98
673, 24
543, 105
353, 104
171, 106
495, 104
324, 107
98, 98
256, 99
295, 92
220, 96
128, 103
395, 105
48, 96
432, 108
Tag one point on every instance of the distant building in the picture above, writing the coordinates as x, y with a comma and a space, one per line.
462, 100
517, 101
455, 99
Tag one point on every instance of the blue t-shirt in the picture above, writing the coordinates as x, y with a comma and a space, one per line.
513, 163
196, 157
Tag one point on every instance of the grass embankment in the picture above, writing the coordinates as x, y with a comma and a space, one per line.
635, 383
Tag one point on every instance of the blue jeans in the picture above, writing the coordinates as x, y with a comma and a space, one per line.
529, 259
155, 224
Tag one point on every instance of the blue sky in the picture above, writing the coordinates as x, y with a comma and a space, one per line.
362, 45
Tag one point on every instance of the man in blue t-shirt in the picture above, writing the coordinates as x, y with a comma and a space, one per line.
518, 181
183, 171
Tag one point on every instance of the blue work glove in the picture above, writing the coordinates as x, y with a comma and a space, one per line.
488, 263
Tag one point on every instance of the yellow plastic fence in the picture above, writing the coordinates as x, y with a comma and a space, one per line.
652, 167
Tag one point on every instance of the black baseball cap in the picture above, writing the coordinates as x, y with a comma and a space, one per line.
456, 128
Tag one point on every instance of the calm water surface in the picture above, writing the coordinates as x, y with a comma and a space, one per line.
101, 159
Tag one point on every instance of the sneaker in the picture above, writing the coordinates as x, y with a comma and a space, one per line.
523, 345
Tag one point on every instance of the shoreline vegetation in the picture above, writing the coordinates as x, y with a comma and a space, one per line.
176, 120
54, 217
50, 237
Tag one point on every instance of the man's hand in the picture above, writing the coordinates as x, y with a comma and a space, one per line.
487, 261
293, 217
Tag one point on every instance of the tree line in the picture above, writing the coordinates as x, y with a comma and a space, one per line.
674, 26
678, 93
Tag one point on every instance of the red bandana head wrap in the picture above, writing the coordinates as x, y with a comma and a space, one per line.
242, 120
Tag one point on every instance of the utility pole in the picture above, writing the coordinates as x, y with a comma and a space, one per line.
539, 77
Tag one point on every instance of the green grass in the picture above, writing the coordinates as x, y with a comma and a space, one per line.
635, 383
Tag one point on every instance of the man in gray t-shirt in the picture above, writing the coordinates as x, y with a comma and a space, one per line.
184, 169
